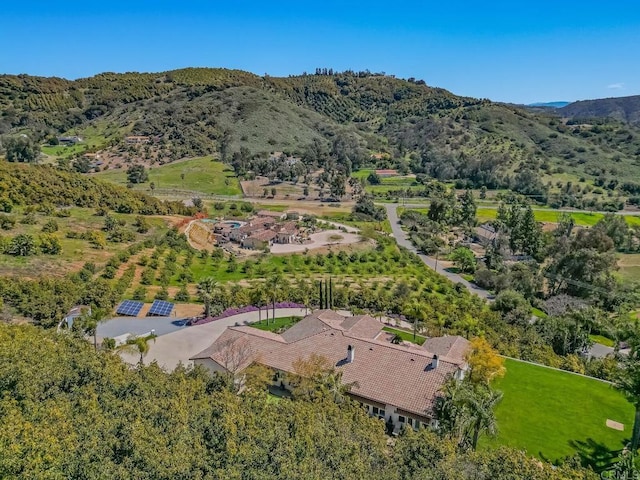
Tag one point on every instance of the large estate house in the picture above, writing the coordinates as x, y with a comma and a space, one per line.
396, 382
260, 232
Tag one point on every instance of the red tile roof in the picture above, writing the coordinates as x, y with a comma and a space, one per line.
385, 373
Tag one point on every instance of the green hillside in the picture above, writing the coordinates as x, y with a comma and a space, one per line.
198, 112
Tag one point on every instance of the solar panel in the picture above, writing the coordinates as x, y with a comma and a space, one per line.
161, 308
129, 308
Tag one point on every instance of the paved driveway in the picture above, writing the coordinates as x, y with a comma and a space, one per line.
170, 349
403, 240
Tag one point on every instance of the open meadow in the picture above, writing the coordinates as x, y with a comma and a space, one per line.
195, 176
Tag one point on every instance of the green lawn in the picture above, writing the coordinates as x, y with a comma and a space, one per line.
603, 340
553, 414
405, 335
280, 323
200, 175
485, 214
538, 313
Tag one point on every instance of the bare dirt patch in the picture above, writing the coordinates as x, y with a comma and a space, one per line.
318, 240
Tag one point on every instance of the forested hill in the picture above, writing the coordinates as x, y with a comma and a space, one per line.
625, 109
200, 111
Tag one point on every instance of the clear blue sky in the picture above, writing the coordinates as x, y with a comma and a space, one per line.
505, 51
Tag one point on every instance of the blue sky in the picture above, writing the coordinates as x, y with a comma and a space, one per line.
505, 51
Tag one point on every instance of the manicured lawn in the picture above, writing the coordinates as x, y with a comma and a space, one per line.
405, 335
553, 414
603, 340
200, 175
280, 323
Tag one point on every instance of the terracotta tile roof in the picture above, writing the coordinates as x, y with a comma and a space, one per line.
452, 346
385, 373
269, 213
263, 235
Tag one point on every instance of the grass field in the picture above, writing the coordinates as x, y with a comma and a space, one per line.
405, 335
200, 175
584, 219
553, 414
603, 340
629, 264
280, 323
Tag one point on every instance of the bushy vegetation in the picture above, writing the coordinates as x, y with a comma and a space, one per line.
101, 420
33, 185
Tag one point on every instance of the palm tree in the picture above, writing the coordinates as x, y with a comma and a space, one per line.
138, 345
416, 311
207, 289
89, 323
336, 388
629, 385
273, 284
481, 403
465, 410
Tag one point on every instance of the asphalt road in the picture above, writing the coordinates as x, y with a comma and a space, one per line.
403, 240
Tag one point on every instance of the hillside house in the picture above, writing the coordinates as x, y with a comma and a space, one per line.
137, 139
398, 383
271, 214
286, 233
72, 140
485, 234
259, 240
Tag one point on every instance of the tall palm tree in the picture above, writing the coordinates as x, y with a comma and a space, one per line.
139, 345
207, 290
273, 284
415, 310
629, 385
481, 404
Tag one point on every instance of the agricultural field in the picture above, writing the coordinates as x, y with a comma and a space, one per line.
71, 222
629, 264
201, 176
552, 414
585, 219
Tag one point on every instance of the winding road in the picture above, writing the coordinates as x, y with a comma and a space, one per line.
403, 240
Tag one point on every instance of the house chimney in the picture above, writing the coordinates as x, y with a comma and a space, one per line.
435, 362
350, 353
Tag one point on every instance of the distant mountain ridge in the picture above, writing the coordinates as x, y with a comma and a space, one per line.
549, 104
625, 109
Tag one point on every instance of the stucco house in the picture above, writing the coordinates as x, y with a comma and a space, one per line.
398, 383
258, 240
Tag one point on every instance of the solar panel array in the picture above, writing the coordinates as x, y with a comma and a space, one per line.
130, 308
161, 308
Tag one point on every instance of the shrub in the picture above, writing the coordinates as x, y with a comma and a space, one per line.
50, 227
